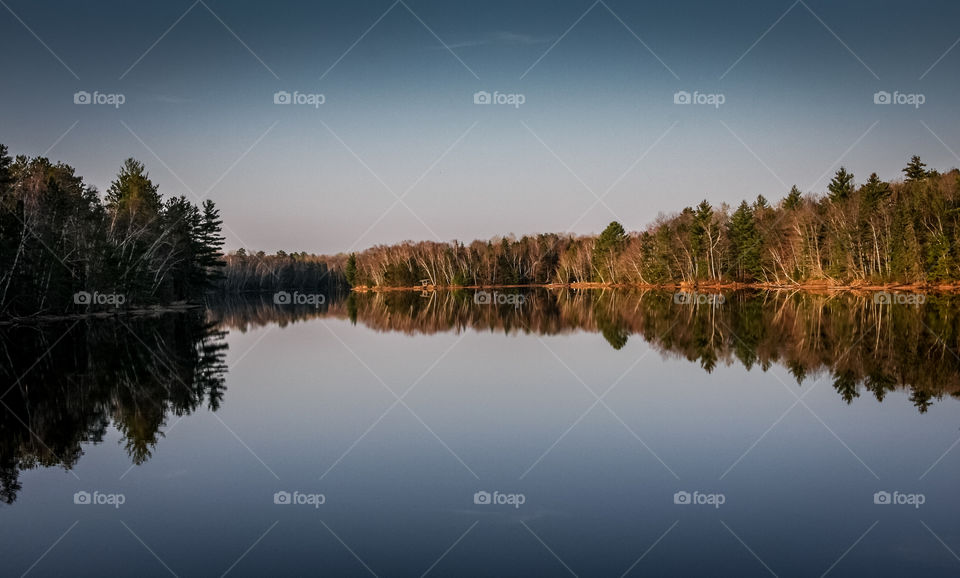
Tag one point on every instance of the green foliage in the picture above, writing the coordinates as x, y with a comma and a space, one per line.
915, 170
745, 244
793, 200
351, 269
58, 238
607, 248
874, 191
841, 186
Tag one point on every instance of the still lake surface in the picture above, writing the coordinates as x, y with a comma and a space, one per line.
515, 433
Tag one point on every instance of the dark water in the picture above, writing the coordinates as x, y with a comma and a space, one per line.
587, 415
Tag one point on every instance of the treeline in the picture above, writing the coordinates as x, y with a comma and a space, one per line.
259, 272
62, 246
874, 232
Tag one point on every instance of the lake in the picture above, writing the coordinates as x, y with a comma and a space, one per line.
491, 433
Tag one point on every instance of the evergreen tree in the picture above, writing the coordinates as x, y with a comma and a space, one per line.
133, 194
915, 170
793, 199
874, 190
761, 203
841, 186
745, 243
209, 244
608, 246
351, 269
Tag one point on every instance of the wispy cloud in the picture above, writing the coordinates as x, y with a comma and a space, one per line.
502, 39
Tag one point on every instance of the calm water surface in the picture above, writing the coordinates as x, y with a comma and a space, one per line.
595, 433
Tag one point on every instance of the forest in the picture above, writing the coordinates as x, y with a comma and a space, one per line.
64, 248
874, 232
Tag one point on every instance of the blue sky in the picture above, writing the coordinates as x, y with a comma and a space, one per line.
398, 117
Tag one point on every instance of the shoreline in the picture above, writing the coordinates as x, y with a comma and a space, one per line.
814, 287
137, 312
818, 286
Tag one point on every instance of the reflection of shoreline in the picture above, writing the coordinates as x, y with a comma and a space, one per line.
151, 311
861, 344
67, 382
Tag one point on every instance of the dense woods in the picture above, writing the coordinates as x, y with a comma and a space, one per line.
60, 238
259, 272
873, 232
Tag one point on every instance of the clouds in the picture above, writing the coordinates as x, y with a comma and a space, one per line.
501, 38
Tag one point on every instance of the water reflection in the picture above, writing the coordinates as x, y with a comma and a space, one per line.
864, 347
65, 384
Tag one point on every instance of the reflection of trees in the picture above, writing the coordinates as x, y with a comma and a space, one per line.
863, 347
131, 374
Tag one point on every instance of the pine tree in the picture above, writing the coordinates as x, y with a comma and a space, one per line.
133, 193
608, 246
793, 199
745, 242
209, 255
874, 191
841, 186
915, 170
351, 269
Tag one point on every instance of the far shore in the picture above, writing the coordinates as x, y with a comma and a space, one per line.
814, 286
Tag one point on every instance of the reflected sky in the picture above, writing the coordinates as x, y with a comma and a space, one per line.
312, 407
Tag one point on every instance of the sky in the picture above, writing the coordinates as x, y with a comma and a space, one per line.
385, 141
